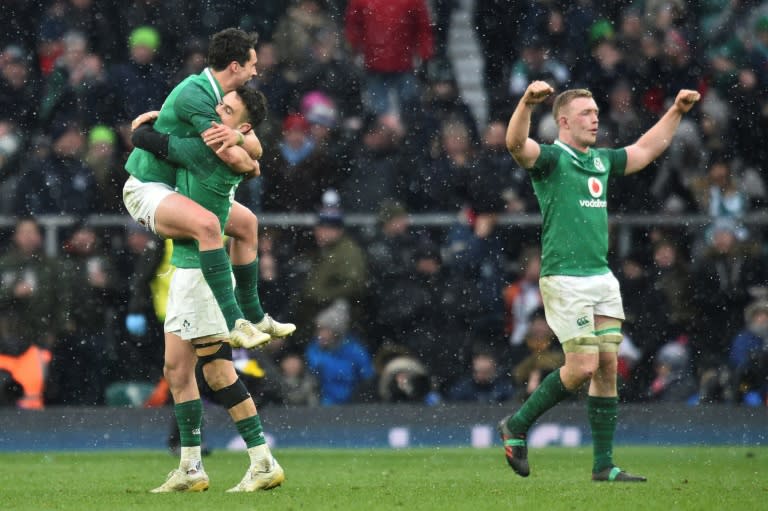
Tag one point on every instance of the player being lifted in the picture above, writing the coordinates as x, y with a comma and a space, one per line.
582, 301
149, 196
195, 329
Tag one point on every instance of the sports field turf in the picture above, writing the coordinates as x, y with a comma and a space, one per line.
680, 478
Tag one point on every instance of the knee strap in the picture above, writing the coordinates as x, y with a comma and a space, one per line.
232, 395
610, 338
223, 353
587, 344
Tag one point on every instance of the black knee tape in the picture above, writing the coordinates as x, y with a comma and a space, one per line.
223, 353
232, 395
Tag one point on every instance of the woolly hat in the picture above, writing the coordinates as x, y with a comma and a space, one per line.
144, 36
335, 317
101, 134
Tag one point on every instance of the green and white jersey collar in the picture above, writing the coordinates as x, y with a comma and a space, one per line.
589, 161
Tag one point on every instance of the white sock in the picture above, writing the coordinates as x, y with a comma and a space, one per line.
191, 458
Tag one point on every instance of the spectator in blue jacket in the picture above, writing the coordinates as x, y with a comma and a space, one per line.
338, 359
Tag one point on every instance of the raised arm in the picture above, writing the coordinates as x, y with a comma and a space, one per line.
656, 140
525, 150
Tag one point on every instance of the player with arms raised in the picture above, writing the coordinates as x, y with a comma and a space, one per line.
581, 296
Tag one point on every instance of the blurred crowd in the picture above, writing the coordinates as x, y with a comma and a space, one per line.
367, 116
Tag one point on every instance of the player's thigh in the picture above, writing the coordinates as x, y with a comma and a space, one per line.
242, 224
141, 200
609, 306
192, 311
179, 217
179, 353
568, 307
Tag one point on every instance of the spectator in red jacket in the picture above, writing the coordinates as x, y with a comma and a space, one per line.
392, 36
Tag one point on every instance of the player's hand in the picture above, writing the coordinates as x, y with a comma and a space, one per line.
220, 137
145, 117
686, 99
537, 92
255, 172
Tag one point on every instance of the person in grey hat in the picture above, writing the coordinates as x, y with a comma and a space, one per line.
339, 360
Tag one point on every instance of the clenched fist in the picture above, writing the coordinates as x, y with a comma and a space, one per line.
686, 99
537, 92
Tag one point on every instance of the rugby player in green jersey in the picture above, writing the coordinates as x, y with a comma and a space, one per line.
149, 196
195, 328
582, 301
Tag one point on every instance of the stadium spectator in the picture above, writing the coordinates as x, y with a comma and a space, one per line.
536, 63
61, 183
543, 355
300, 387
29, 315
748, 356
296, 32
719, 196
337, 357
87, 347
487, 383
78, 87
495, 162
392, 39
673, 380
475, 259
19, 87
378, 165
440, 182
299, 172
270, 81
142, 74
521, 298
670, 275
722, 278
331, 72
406, 314
103, 158
11, 153
145, 259
336, 269
401, 378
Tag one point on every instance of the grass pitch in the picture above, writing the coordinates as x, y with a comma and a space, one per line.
680, 478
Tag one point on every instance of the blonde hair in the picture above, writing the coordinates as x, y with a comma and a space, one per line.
564, 98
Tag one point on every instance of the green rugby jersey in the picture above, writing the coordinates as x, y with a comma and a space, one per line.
205, 179
187, 111
571, 189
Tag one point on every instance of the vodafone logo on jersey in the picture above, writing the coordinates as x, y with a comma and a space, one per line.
595, 187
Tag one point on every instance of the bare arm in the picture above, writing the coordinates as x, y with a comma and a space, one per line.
657, 139
525, 150
222, 138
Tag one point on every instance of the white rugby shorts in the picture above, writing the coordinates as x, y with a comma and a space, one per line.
141, 200
192, 310
571, 303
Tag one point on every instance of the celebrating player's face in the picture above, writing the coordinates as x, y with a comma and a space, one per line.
248, 70
231, 110
581, 115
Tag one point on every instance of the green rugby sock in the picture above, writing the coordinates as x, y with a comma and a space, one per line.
217, 272
603, 414
247, 290
251, 431
189, 417
550, 392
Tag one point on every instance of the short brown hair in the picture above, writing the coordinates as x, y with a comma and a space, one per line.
564, 98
